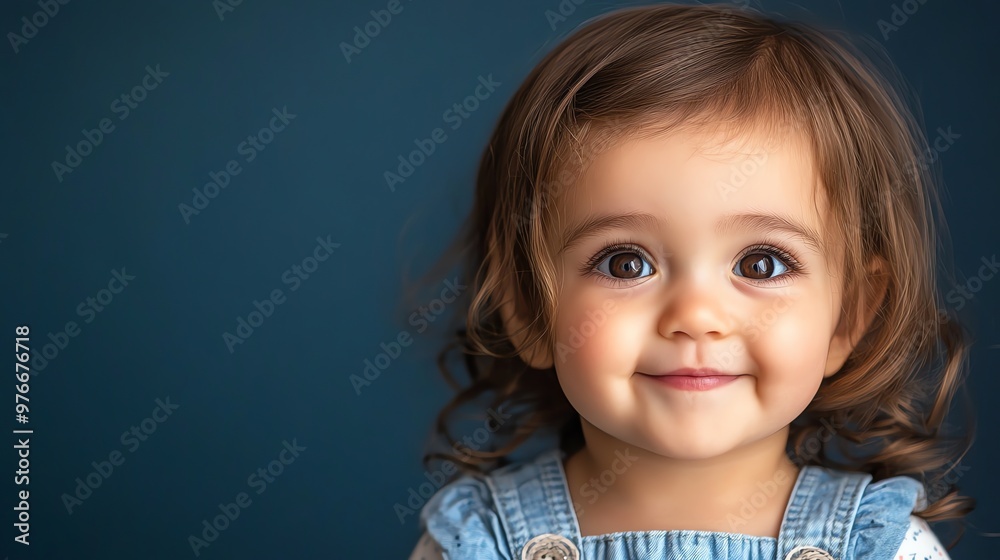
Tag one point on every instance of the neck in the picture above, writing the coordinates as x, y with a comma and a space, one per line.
742, 491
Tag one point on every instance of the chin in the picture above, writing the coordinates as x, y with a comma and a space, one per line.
689, 450
683, 446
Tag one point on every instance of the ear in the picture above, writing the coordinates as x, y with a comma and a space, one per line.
846, 337
539, 356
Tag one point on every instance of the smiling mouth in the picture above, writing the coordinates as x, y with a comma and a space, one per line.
693, 379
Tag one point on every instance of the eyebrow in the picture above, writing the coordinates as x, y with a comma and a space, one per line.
596, 225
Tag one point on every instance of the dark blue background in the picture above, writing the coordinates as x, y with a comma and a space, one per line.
161, 336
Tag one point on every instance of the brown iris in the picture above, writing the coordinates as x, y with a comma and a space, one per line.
759, 268
629, 265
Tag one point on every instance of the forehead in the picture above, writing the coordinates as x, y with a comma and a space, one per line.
692, 180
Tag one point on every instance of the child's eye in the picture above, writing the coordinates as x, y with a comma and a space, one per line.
620, 263
627, 266
624, 262
766, 265
759, 266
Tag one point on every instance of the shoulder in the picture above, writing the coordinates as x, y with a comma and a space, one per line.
462, 518
468, 516
884, 514
477, 515
859, 517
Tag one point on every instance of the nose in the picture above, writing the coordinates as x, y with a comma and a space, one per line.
695, 307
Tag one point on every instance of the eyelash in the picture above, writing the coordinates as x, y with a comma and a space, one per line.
769, 247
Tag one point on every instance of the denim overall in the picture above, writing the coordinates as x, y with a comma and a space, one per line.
524, 512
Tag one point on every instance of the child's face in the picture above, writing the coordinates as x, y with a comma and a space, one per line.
699, 289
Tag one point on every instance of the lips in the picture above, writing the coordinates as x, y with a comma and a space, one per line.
688, 379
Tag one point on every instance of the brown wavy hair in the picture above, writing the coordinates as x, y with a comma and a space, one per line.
651, 69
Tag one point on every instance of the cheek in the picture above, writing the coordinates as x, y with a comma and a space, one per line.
791, 349
596, 353
793, 346
596, 340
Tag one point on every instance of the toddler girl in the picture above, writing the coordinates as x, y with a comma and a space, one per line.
702, 260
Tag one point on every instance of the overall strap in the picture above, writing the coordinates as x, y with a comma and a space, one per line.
532, 500
820, 513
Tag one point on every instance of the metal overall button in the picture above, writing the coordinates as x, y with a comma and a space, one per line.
550, 547
809, 553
